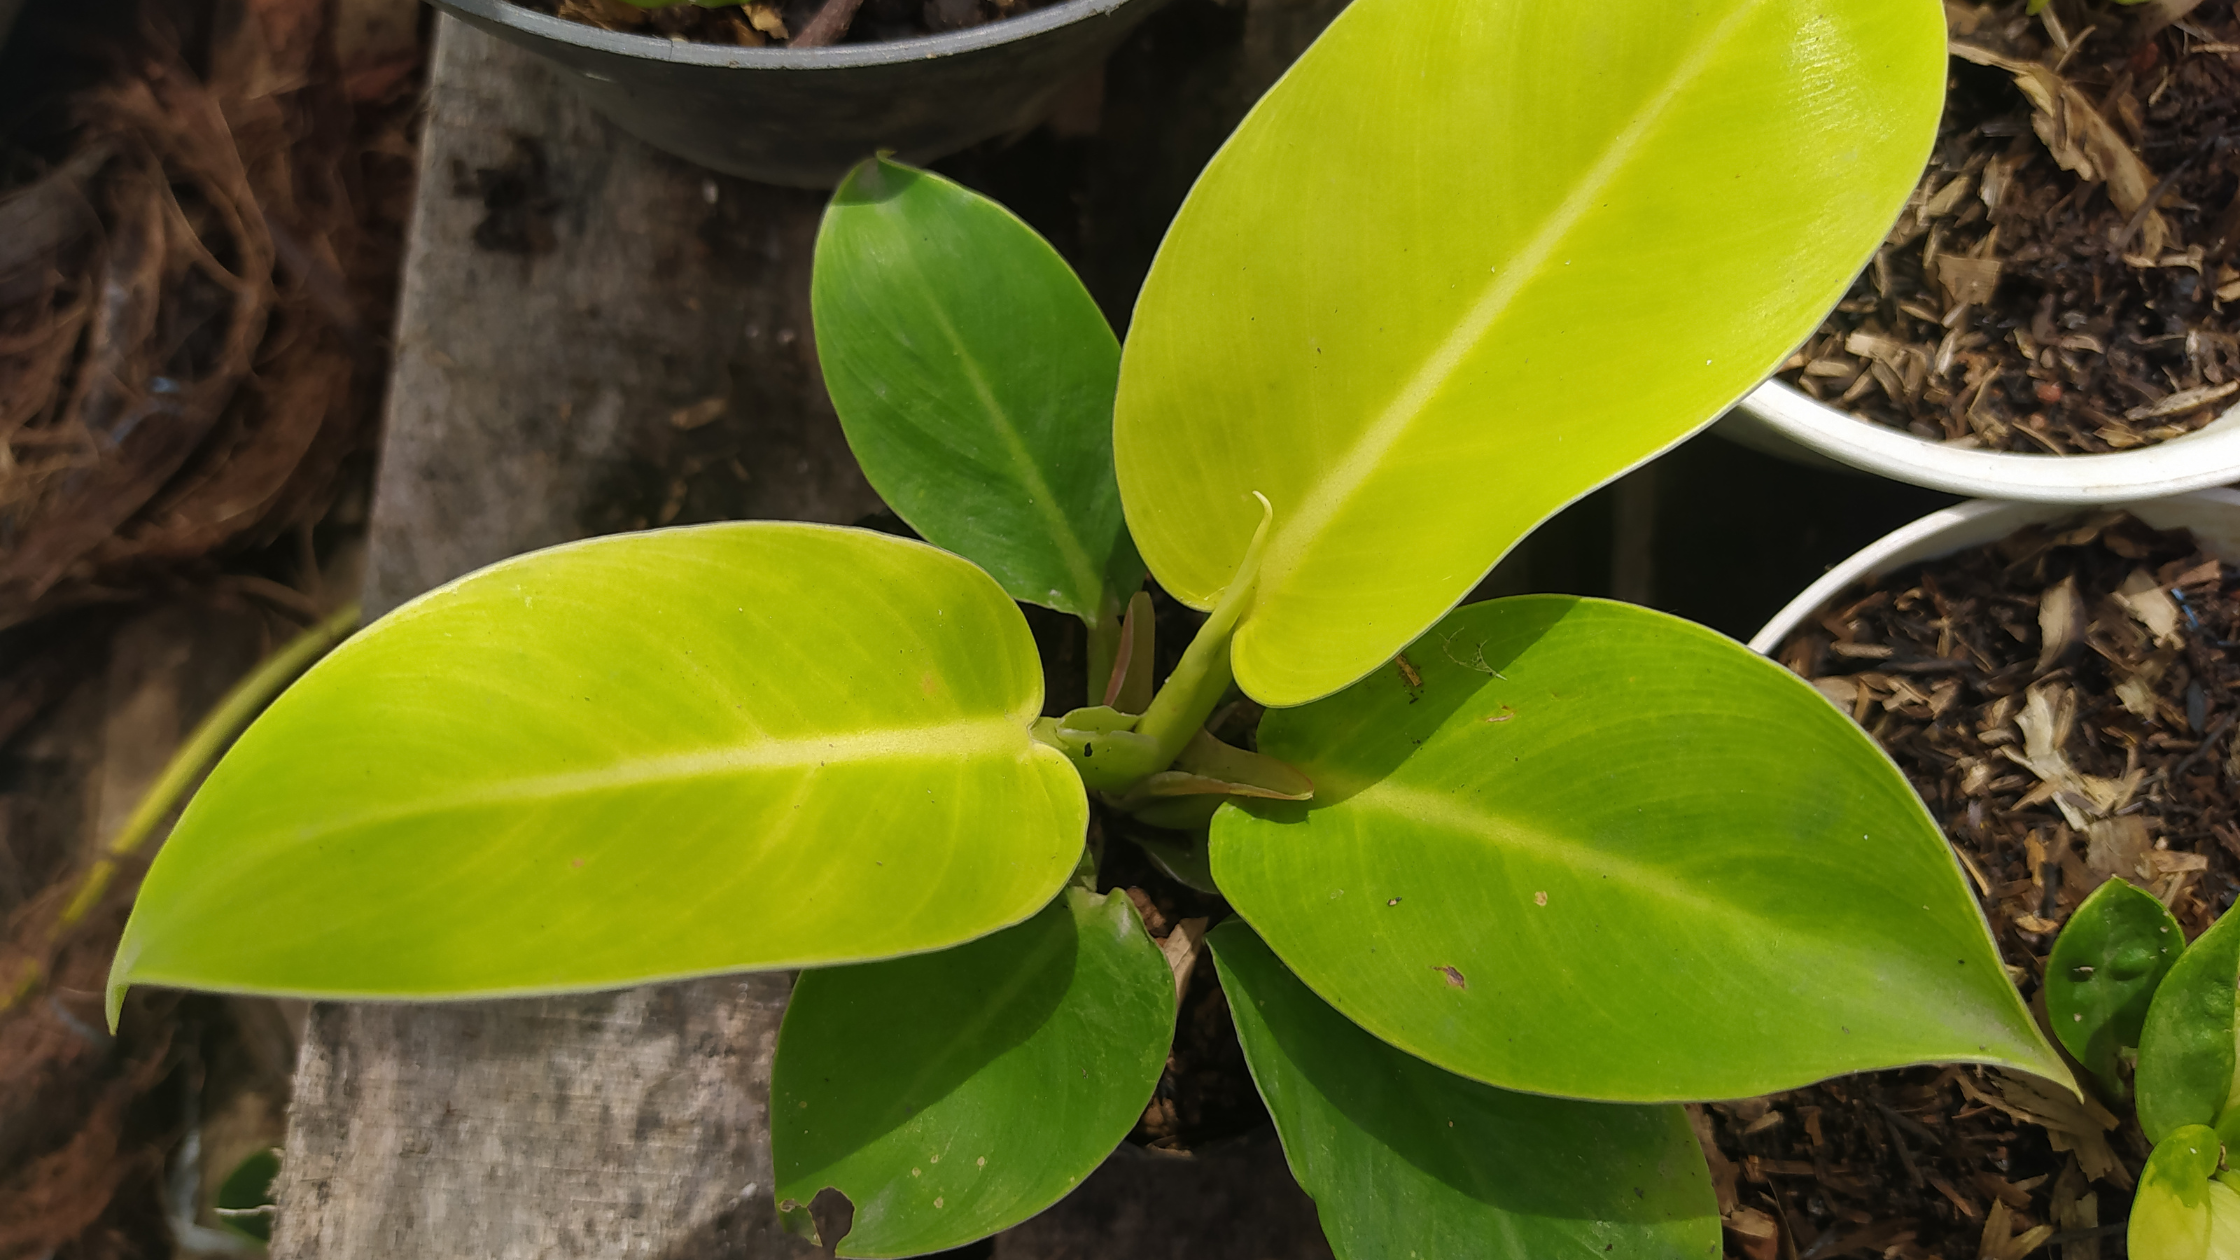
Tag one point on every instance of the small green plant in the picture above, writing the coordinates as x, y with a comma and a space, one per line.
2124, 989
1511, 880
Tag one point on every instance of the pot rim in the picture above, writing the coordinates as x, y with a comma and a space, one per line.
2209, 456
657, 48
1973, 524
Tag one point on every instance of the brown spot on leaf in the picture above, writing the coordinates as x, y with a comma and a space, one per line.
1454, 977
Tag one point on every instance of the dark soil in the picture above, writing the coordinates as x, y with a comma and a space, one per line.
2019, 305
787, 22
1206, 1094
2065, 703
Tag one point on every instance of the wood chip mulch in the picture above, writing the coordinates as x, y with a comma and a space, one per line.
2063, 279
2065, 702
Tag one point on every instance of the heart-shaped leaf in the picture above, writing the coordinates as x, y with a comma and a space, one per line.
2102, 974
1584, 849
1470, 259
2186, 1052
974, 377
636, 758
1406, 1160
956, 1094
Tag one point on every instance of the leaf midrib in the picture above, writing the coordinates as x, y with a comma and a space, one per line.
1062, 533
1329, 494
949, 742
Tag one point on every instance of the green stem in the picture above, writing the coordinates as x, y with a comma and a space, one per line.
202, 747
1197, 684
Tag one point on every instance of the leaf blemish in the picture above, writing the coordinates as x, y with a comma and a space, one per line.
1454, 977
1477, 659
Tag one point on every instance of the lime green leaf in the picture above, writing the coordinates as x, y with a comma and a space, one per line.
1393, 300
1602, 853
2224, 1220
2171, 1217
974, 377
2186, 1053
956, 1094
631, 759
1406, 1160
2103, 972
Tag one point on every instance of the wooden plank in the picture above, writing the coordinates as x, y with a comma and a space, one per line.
593, 337
566, 296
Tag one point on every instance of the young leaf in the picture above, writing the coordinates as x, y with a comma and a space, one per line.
2186, 1052
1470, 259
2103, 972
631, 759
974, 377
956, 1094
1584, 849
1403, 1159
2171, 1217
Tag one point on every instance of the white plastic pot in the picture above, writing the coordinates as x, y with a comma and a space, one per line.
1782, 420
2212, 515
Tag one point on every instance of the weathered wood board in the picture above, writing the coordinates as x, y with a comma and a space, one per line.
594, 337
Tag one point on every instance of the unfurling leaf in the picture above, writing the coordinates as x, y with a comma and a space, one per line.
1406, 1160
637, 758
956, 1094
1391, 302
1591, 798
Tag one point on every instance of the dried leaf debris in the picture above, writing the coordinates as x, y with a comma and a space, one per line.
199, 229
190, 313
2063, 279
2065, 702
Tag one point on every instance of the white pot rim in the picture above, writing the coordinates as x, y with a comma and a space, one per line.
2212, 515
2209, 456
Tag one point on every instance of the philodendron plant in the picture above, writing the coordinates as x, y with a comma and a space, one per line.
1511, 880
2124, 989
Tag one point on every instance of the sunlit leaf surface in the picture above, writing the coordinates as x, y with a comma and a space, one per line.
650, 756
1472, 258
1602, 853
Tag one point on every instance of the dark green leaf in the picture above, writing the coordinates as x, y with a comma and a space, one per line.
245, 1200
1602, 853
956, 1094
974, 376
2102, 973
1406, 1160
2185, 1048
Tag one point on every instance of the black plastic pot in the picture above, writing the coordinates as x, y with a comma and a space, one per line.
804, 116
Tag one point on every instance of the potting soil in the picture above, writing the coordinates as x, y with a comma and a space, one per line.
2064, 278
2065, 702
